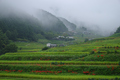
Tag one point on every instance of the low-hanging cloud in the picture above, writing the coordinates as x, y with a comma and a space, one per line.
103, 13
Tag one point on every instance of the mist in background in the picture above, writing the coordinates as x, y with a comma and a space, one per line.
99, 15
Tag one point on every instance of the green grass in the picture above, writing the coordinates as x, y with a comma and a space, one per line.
88, 46
59, 56
29, 45
104, 65
116, 35
49, 62
32, 49
47, 53
58, 77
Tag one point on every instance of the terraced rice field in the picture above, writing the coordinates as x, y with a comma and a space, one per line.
86, 61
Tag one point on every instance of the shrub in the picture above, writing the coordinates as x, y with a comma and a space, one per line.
119, 63
56, 63
92, 52
45, 48
99, 52
108, 51
11, 48
61, 63
86, 39
20, 48
52, 63
116, 78
93, 79
116, 51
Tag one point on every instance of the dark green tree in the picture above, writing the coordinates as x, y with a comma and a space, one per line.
45, 48
11, 48
86, 39
3, 40
8, 34
5, 45
118, 30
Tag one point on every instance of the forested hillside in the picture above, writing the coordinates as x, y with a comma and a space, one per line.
23, 27
5, 45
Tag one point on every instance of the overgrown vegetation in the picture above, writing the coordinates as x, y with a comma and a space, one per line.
5, 45
29, 28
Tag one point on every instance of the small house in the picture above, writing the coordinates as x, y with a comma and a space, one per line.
70, 37
48, 44
51, 45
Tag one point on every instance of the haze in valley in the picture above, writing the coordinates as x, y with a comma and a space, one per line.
99, 15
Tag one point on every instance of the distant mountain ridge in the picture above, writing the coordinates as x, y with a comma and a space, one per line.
50, 22
68, 24
20, 25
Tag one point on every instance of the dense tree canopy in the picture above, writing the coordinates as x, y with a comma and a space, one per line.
5, 45
3, 40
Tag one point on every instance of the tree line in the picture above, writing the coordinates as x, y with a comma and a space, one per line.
5, 45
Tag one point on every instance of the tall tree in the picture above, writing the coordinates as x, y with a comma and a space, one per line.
118, 30
3, 40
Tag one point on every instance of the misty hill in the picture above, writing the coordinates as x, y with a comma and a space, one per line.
22, 26
69, 25
50, 22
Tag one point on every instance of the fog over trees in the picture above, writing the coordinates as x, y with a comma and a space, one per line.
100, 15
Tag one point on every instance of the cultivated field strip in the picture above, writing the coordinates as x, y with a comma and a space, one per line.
60, 62
56, 77
98, 60
47, 53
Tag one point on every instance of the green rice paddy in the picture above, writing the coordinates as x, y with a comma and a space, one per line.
93, 60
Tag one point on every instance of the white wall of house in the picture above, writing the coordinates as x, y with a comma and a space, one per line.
51, 45
48, 44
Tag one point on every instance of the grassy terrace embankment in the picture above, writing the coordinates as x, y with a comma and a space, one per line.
59, 62
95, 59
56, 77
